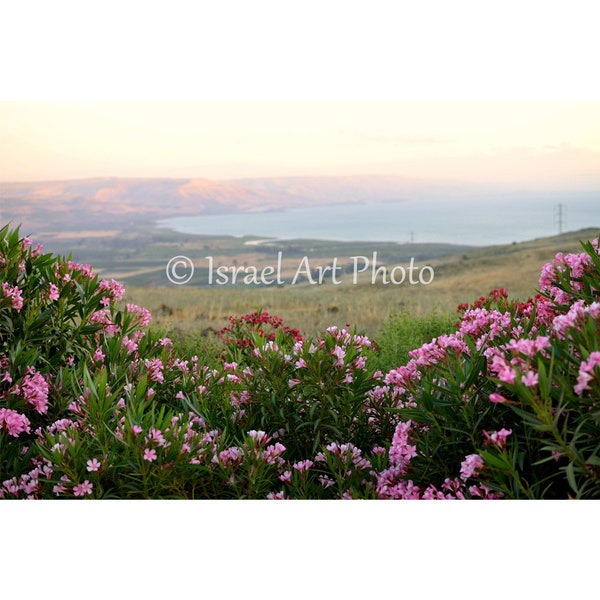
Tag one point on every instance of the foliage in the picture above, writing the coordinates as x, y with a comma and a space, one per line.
404, 332
507, 405
94, 404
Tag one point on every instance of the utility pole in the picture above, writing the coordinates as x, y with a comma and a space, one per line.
559, 217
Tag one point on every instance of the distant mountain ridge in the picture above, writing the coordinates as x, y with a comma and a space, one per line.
206, 195
97, 203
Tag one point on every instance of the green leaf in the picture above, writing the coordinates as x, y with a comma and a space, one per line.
570, 471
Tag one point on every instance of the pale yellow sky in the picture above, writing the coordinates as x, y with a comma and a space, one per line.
527, 143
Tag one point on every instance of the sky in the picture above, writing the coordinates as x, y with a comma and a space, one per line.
462, 90
554, 143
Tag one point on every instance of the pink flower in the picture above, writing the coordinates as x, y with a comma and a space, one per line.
260, 437
15, 295
150, 454
35, 390
129, 344
497, 438
14, 422
102, 317
340, 353
530, 380
37, 250
115, 289
59, 489
273, 452
98, 355
586, 372
498, 398
472, 464
303, 465
508, 375
286, 476
156, 435
83, 488
360, 362
141, 314
93, 465
155, 367
401, 452
230, 456
275, 496
53, 294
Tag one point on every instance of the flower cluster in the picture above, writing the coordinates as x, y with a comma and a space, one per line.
94, 405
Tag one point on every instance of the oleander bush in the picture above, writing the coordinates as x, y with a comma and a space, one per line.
94, 403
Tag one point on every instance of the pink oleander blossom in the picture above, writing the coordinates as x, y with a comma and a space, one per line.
35, 390
303, 465
53, 293
93, 465
260, 437
530, 380
98, 355
83, 488
497, 398
14, 422
586, 373
155, 369
102, 317
286, 476
129, 344
230, 456
143, 315
86, 270
339, 353
471, 466
149, 454
401, 451
272, 454
14, 294
276, 496
115, 289
497, 438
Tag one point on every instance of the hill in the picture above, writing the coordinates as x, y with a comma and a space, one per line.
461, 276
55, 206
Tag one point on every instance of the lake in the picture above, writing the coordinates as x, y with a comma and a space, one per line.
477, 222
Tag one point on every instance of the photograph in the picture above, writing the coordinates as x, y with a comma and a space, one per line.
363, 269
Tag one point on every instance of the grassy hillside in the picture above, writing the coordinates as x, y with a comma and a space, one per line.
461, 277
